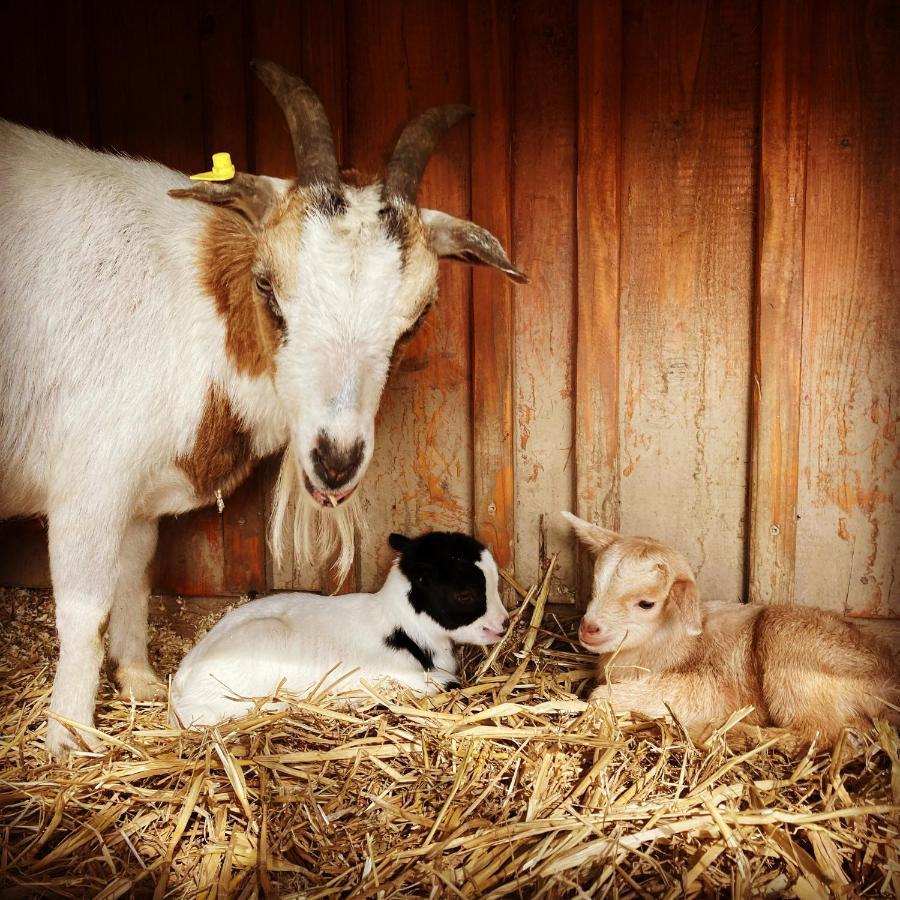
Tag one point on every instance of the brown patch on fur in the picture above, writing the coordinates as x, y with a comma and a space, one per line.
221, 457
227, 256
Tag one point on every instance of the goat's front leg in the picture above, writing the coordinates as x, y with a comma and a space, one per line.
83, 546
130, 666
632, 696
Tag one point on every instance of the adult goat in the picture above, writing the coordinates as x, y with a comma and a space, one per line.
151, 350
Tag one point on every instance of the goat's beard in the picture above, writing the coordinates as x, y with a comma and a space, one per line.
319, 535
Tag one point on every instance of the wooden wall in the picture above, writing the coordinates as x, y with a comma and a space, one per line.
705, 197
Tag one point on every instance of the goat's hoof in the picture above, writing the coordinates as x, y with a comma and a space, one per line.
60, 741
139, 683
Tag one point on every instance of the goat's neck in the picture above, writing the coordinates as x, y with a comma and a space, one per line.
663, 654
393, 598
256, 403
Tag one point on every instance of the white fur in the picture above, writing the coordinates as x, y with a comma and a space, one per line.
301, 641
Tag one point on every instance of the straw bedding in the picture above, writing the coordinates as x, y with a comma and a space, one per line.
511, 787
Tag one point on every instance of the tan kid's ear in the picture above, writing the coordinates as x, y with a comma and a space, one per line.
467, 242
249, 196
685, 598
593, 536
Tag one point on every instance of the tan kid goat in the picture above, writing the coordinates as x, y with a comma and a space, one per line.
803, 670
152, 349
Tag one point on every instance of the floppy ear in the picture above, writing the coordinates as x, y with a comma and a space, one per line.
249, 196
593, 536
458, 239
685, 598
398, 542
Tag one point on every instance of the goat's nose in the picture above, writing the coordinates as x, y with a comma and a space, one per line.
589, 629
335, 464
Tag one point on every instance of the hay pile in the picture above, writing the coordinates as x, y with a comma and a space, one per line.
512, 786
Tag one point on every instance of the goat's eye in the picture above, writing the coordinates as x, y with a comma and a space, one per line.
646, 604
264, 286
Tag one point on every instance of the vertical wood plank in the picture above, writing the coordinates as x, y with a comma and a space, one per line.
688, 187
848, 539
544, 143
44, 71
778, 335
599, 224
421, 475
489, 26
26, 94
276, 28
324, 48
190, 556
149, 80
225, 62
24, 561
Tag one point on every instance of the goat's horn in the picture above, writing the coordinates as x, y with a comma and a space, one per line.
415, 146
310, 130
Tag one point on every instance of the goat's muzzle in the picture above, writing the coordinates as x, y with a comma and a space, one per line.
328, 499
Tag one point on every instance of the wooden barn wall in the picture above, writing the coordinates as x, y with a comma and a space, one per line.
709, 348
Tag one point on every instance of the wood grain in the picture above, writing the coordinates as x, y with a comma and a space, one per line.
754, 366
848, 538
598, 210
421, 475
276, 27
150, 105
543, 236
688, 185
778, 335
490, 77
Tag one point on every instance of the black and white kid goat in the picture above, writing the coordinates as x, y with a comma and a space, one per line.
441, 591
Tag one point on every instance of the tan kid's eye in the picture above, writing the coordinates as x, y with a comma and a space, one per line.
646, 604
264, 286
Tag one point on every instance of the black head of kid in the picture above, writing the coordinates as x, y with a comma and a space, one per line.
453, 579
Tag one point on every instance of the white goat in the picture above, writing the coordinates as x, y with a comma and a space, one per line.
152, 350
442, 590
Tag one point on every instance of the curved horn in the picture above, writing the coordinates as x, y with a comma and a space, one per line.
415, 146
310, 130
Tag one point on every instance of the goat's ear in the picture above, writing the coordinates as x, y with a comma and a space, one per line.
249, 196
398, 542
593, 536
467, 242
686, 599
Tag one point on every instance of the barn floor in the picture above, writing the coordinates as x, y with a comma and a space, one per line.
511, 787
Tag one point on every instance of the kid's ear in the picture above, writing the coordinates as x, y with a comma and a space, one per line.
685, 599
593, 536
398, 542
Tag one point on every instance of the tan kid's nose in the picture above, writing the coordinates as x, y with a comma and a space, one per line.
589, 629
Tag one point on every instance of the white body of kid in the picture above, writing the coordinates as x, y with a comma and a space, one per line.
441, 591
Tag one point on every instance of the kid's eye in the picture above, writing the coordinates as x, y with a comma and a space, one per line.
646, 604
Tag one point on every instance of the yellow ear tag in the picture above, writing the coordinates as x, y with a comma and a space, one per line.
222, 169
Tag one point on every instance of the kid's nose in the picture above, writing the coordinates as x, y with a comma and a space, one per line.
590, 633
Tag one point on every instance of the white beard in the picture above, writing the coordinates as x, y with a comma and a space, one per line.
318, 533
